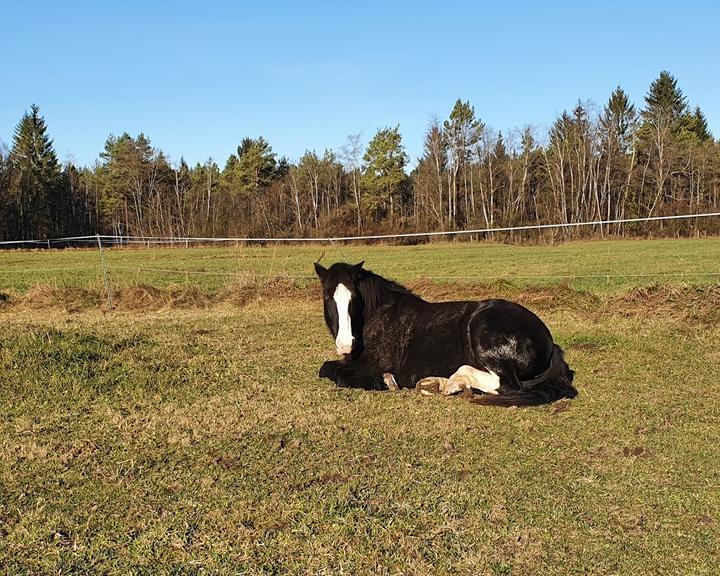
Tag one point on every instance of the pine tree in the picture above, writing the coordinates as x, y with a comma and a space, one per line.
256, 164
133, 177
36, 189
384, 171
463, 132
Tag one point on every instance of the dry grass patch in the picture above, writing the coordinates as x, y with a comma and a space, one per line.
698, 303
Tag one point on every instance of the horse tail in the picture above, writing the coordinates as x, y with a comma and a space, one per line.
551, 385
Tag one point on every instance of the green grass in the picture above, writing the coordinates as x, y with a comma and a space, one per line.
598, 265
200, 441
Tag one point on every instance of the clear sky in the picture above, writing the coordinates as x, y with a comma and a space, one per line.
197, 77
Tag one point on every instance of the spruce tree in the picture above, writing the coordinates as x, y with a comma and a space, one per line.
665, 104
36, 191
500, 151
618, 120
6, 205
697, 126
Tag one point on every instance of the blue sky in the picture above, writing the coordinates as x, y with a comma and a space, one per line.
198, 77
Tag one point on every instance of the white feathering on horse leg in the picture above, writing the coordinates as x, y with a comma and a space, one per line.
465, 378
487, 382
390, 381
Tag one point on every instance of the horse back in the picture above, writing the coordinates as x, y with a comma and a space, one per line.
414, 339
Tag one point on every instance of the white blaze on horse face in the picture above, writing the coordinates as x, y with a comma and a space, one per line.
344, 338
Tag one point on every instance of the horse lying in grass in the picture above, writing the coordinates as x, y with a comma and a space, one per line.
392, 338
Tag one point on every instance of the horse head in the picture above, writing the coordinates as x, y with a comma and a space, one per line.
343, 305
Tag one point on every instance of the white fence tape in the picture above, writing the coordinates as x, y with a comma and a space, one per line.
110, 239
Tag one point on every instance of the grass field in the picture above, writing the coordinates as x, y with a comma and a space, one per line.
599, 265
192, 436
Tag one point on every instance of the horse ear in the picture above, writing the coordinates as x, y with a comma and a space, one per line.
359, 265
320, 271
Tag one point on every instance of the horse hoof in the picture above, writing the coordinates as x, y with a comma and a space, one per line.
429, 386
390, 382
327, 370
454, 385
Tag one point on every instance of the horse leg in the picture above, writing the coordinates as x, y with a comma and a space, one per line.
431, 385
390, 382
329, 370
469, 377
466, 378
358, 373
444, 386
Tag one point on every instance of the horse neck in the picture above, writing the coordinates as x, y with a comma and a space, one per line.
376, 291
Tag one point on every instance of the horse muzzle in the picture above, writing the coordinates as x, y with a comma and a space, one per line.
344, 348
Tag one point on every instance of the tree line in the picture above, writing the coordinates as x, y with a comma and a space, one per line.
613, 163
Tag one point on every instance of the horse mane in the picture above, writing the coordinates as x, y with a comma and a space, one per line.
376, 290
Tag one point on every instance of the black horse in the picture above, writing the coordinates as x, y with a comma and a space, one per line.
390, 338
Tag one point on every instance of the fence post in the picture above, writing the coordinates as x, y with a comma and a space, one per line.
106, 279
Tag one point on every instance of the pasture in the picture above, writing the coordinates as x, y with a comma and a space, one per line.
186, 431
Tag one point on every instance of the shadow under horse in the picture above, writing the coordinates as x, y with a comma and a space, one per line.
494, 351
